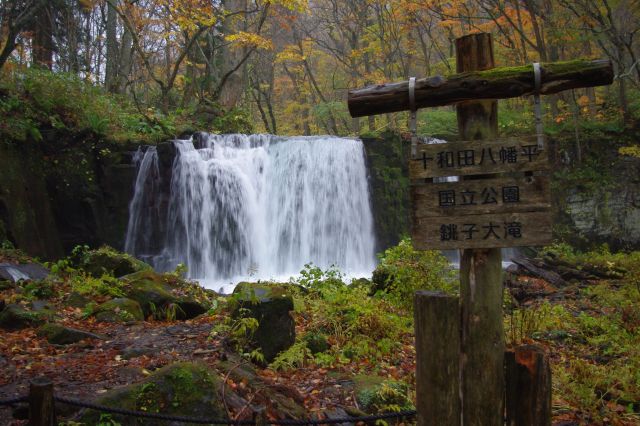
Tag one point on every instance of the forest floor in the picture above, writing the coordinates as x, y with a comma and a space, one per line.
589, 328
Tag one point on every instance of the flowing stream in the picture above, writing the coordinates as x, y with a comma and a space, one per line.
253, 207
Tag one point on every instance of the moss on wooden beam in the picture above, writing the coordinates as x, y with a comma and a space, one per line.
496, 83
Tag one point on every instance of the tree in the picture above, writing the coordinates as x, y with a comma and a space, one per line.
17, 16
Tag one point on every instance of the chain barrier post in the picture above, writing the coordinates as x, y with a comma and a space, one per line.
41, 406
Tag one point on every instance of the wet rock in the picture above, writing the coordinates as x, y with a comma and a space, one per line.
187, 389
22, 272
13, 317
119, 310
270, 305
60, 335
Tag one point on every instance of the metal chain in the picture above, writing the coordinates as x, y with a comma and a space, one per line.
12, 401
186, 419
537, 79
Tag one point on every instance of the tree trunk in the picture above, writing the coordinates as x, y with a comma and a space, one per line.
43, 38
233, 87
111, 67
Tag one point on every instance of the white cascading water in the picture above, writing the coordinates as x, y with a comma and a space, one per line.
258, 205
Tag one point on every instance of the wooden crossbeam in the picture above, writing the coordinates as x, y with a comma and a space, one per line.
496, 83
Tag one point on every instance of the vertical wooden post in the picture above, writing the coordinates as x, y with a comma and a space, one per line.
260, 416
482, 340
528, 394
41, 404
437, 330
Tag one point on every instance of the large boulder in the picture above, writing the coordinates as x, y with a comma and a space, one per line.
14, 317
119, 310
106, 260
60, 335
270, 305
182, 389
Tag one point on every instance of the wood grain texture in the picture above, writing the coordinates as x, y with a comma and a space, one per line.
484, 83
483, 196
504, 155
482, 338
41, 405
528, 393
437, 331
488, 231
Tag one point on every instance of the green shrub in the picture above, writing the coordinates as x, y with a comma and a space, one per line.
403, 270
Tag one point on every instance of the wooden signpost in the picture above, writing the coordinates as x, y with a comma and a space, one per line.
501, 199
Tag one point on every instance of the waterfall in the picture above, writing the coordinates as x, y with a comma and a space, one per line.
256, 205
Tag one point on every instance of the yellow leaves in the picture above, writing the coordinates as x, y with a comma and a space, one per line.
290, 53
633, 151
293, 5
245, 39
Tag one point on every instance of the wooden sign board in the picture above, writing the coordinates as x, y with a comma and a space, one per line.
478, 158
481, 196
482, 231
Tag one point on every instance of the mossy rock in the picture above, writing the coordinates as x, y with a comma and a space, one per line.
271, 305
108, 261
190, 308
375, 395
119, 310
76, 300
182, 389
155, 296
60, 335
13, 317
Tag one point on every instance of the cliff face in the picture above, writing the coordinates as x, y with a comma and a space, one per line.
389, 185
608, 212
65, 190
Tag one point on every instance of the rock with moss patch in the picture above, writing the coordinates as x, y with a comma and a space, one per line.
271, 306
60, 335
190, 308
149, 290
106, 260
376, 395
13, 317
119, 310
76, 300
156, 297
183, 389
